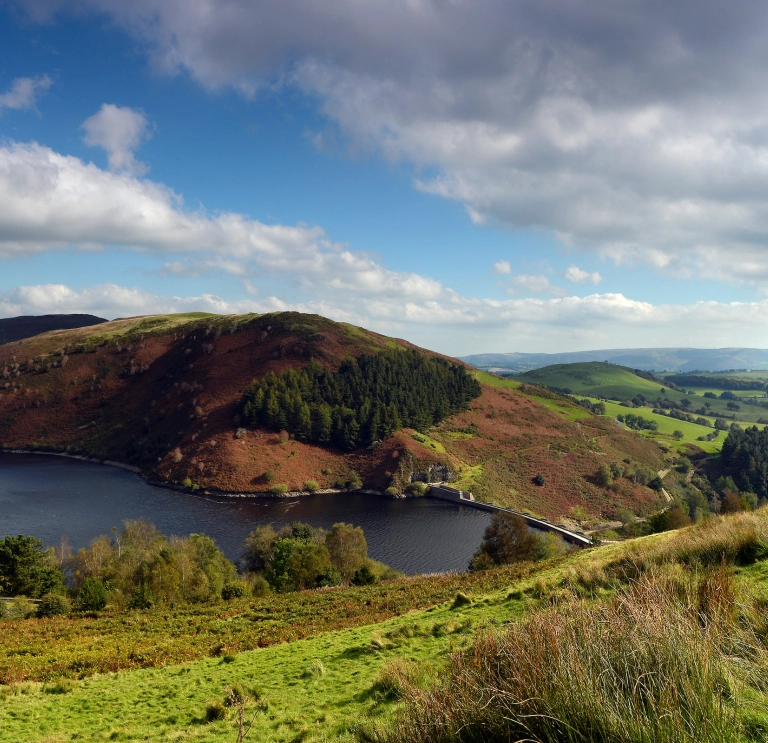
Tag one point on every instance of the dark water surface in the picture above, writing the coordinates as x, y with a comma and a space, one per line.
50, 497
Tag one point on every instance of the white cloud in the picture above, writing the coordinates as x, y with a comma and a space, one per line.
23, 92
576, 276
48, 201
502, 267
626, 129
119, 130
535, 283
454, 324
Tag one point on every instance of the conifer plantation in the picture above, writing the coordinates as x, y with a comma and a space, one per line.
369, 398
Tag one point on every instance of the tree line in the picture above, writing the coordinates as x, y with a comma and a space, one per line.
140, 568
366, 400
744, 458
723, 383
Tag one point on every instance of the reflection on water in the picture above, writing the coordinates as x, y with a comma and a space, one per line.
50, 497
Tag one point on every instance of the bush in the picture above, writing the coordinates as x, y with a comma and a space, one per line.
331, 577
261, 587
355, 483
92, 596
539, 480
235, 589
311, 486
363, 577
279, 489
417, 488
54, 605
392, 492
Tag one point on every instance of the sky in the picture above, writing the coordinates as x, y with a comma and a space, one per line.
471, 175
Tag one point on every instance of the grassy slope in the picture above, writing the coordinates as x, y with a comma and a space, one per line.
618, 383
159, 392
321, 687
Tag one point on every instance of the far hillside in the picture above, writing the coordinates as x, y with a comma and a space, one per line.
677, 360
26, 326
701, 414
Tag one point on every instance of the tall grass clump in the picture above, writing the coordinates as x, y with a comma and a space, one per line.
735, 539
669, 659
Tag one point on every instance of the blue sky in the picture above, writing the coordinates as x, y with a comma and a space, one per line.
484, 176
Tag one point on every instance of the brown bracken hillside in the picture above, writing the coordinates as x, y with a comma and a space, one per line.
161, 393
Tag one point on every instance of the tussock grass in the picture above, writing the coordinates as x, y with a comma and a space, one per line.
671, 658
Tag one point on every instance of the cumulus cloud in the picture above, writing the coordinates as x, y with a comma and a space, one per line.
49, 200
637, 130
454, 324
576, 276
23, 92
502, 268
535, 283
119, 130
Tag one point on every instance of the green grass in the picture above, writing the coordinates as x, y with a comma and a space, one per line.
324, 686
429, 442
169, 703
667, 426
595, 378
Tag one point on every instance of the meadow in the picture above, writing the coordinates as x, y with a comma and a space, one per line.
362, 681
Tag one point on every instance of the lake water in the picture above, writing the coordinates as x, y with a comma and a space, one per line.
50, 497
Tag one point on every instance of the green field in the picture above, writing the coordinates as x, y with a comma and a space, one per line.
331, 685
667, 426
596, 379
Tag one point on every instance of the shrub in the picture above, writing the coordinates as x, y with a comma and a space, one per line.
235, 589
354, 482
54, 605
261, 587
186, 482
539, 480
311, 486
417, 488
392, 492
279, 489
363, 577
331, 577
92, 596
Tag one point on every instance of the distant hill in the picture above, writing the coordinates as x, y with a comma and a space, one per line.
649, 359
163, 394
25, 326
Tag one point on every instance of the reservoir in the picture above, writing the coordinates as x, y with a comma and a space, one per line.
51, 497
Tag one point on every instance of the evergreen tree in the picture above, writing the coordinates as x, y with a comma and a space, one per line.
367, 399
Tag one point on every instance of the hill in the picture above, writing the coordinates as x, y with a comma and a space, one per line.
26, 326
696, 412
649, 359
163, 394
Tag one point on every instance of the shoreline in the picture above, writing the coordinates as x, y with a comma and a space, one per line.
189, 491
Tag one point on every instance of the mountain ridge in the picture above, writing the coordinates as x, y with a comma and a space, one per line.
673, 359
